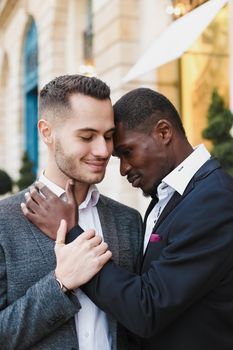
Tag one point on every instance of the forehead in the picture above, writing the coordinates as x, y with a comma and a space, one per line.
89, 112
124, 137
82, 104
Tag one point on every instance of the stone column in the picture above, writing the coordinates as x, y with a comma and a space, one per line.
115, 26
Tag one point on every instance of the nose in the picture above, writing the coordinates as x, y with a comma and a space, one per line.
124, 167
103, 148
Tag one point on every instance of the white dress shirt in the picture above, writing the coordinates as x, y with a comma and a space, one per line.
91, 322
177, 180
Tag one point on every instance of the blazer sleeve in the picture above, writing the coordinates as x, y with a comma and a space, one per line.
42, 309
198, 255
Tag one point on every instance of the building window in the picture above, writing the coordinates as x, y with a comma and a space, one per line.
31, 94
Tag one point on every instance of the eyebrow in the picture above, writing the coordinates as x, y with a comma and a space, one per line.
94, 130
116, 151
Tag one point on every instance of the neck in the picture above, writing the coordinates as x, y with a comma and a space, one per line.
185, 151
54, 174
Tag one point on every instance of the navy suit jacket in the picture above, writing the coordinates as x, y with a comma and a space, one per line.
184, 297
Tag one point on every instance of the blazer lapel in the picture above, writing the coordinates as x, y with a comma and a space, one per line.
109, 228
35, 236
111, 238
204, 171
208, 167
150, 207
175, 199
45, 244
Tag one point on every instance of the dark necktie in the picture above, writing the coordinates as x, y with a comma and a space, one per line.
73, 233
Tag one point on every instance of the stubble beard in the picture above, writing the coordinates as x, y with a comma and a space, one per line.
66, 164
151, 192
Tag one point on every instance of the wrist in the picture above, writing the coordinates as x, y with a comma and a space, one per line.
61, 284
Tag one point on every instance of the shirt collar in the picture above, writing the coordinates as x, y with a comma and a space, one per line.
92, 197
180, 177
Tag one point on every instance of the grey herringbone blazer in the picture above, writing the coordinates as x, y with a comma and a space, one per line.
34, 313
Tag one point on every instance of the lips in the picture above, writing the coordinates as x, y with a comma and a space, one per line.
134, 180
97, 165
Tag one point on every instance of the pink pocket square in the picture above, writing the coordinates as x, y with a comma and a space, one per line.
155, 237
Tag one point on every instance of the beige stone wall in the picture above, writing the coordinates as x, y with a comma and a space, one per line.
115, 25
51, 20
115, 44
120, 36
123, 29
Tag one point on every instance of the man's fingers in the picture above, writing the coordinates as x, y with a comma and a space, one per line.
44, 190
29, 215
86, 235
26, 211
101, 248
104, 258
35, 195
61, 233
39, 185
70, 192
30, 203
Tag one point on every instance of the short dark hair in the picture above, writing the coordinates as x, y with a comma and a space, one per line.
142, 108
55, 95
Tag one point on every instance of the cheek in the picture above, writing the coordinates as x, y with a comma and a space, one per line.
149, 169
110, 147
78, 149
149, 172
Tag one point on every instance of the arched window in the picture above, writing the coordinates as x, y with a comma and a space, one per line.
31, 93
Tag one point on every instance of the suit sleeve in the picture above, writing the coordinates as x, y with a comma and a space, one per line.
197, 256
42, 309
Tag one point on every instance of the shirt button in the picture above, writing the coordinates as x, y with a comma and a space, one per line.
86, 334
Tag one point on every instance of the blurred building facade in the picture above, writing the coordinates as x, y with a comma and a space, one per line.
43, 39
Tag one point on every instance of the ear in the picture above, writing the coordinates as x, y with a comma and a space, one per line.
163, 131
45, 130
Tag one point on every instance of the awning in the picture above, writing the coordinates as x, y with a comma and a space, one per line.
176, 39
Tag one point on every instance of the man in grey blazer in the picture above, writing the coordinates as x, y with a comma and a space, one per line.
40, 308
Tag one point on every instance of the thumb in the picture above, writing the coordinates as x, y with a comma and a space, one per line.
70, 192
61, 233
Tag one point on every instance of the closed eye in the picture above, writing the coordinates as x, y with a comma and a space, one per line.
125, 153
122, 153
86, 139
108, 138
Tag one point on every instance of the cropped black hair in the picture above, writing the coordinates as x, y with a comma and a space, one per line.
142, 108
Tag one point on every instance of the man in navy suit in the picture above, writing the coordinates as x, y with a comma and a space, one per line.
183, 297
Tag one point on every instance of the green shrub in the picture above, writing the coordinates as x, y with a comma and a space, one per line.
6, 182
27, 177
220, 121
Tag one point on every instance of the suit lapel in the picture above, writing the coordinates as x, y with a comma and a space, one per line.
45, 244
204, 171
208, 167
109, 228
175, 199
111, 238
150, 207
